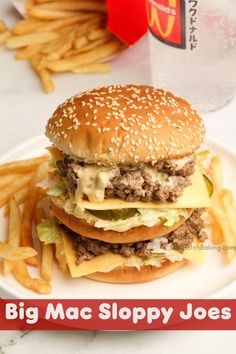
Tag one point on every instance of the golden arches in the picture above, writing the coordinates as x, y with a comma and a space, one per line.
154, 20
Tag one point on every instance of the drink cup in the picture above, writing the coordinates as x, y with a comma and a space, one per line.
193, 49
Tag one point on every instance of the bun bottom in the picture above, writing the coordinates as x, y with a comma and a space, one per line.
136, 234
131, 275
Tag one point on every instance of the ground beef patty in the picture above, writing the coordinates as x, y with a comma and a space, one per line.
135, 183
179, 239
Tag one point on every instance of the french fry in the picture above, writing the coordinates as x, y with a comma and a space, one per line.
4, 37
28, 52
7, 179
61, 257
35, 62
14, 187
28, 210
80, 42
71, 53
32, 38
3, 26
45, 14
14, 228
221, 219
47, 262
26, 225
29, 4
98, 33
217, 235
47, 250
21, 274
48, 1
1, 266
64, 22
85, 58
23, 166
93, 68
68, 29
46, 80
14, 225
74, 6
19, 198
84, 28
216, 170
15, 253
229, 207
51, 46
28, 26
65, 45
94, 44
43, 74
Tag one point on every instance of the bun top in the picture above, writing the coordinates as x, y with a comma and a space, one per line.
126, 124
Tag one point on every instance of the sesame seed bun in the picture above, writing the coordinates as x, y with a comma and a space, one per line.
136, 234
130, 275
126, 124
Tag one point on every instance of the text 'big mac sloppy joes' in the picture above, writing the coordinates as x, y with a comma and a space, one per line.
126, 189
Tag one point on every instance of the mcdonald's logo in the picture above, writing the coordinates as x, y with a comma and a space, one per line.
166, 19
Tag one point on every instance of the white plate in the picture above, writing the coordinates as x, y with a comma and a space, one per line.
213, 279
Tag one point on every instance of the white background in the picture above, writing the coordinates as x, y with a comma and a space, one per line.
24, 109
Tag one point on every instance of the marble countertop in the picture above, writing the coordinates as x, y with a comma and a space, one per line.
115, 343
24, 111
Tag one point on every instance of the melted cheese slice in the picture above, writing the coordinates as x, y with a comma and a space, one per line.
194, 196
109, 261
195, 253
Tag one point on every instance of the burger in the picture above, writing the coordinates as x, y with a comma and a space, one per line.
125, 187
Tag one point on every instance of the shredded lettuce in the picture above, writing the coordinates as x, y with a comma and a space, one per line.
171, 219
48, 231
146, 217
57, 189
157, 250
153, 261
79, 212
52, 164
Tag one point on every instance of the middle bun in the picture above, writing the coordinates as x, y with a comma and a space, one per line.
136, 234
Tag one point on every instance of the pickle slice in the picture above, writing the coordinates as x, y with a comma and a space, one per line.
115, 214
202, 155
209, 185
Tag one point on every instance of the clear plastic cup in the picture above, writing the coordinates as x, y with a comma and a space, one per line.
193, 49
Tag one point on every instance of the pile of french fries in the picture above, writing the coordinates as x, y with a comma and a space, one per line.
223, 211
60, 35
22, 195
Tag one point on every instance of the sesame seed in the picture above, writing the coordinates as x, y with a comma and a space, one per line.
119, 109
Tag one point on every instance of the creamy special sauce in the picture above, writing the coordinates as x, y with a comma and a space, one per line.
156, 176
179, 163
92, 181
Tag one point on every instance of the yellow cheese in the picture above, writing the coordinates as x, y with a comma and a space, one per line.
110, 261
194, 196
196, 253
96, 264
